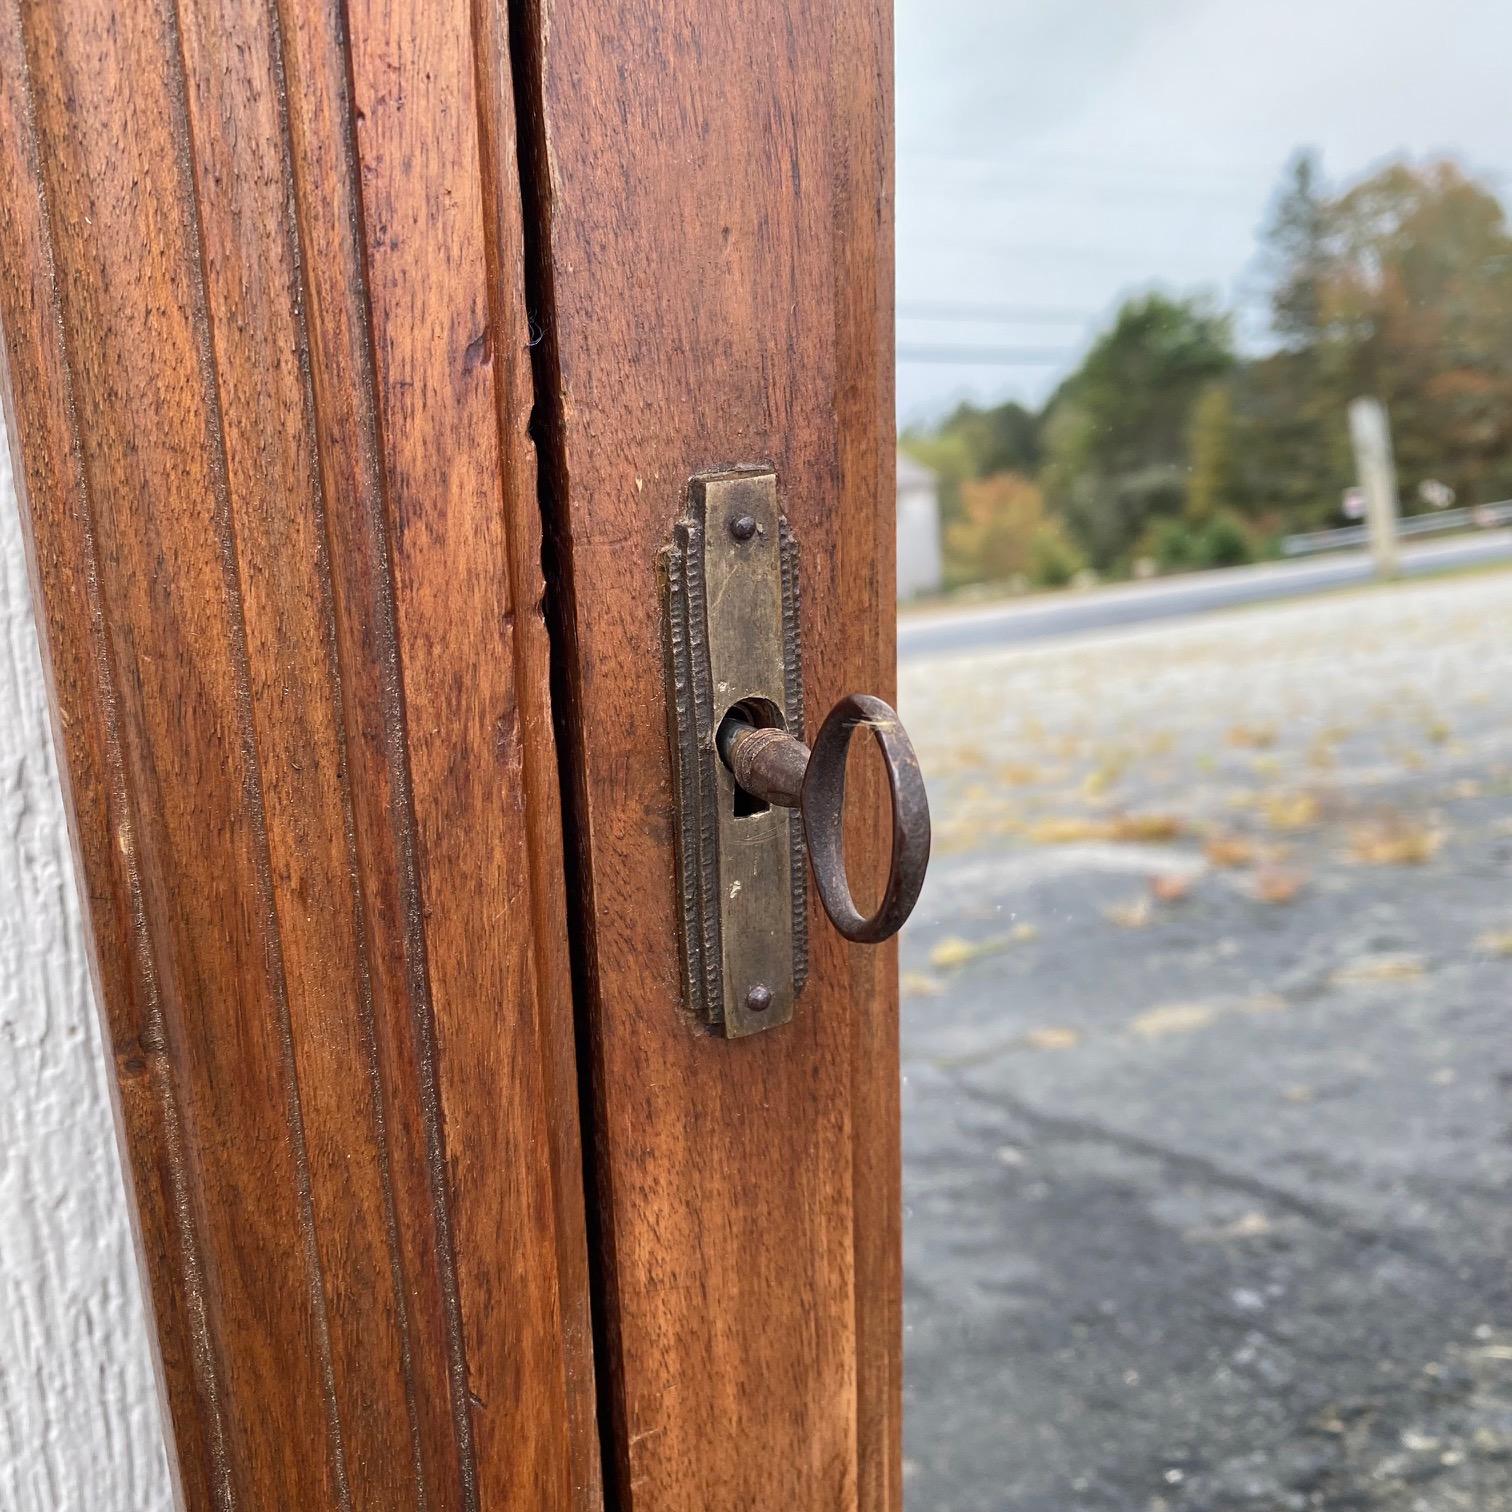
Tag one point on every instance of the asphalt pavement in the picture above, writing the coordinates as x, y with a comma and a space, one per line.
936, 631
1207, 1066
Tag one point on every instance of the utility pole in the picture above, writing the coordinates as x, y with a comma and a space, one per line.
1370, 431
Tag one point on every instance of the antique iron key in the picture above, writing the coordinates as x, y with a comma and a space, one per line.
752, 798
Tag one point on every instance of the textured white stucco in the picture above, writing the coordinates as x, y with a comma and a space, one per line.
79, 1422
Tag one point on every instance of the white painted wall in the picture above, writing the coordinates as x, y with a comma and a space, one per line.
79, 1423
920, 568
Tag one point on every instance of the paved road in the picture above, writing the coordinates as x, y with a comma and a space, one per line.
1207, 1072
935, 632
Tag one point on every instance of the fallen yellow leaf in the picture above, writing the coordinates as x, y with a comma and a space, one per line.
1395, 842
1067, 831
1123, 828
1052, 1039
1253, 737
953, 952
1146, 827
1274, 884
1228, 850
1395, 967
1017, 774
1174, 1018
1291, 811
1171, 887
958, 759
1249, 1226
1264, 1002
1133, 915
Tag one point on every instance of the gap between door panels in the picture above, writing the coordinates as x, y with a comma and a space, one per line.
525, 53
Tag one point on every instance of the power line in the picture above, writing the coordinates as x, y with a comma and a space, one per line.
1134, 259
982, 356
994, 314
1064, 164
1016, 189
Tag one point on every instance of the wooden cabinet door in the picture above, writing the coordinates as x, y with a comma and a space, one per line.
358, 354
710, 210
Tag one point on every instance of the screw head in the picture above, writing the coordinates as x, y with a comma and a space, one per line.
743, 527
758, 999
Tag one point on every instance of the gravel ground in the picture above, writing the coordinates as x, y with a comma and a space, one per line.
1207, 1066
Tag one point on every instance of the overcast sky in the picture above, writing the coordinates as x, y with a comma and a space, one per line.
1056, 155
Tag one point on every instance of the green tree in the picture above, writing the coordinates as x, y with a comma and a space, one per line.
1399, 286
1212, 477
1419, 306
1116, 433
1295, 247
1001, 438
1292, 455
1290, 439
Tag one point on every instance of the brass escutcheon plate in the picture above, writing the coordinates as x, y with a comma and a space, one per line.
730, 600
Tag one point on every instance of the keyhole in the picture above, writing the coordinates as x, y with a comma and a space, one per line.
757, 714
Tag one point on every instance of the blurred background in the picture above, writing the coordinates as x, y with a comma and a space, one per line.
1205, 403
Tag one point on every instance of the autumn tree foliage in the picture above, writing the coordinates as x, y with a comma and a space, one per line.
1398, 286
1002, 527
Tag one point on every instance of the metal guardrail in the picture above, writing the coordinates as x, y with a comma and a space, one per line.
1476, 517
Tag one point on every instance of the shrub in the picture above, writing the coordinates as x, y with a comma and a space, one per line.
1174, 545
1003, 535
989, 542
1054, 560
1226, 541
1222, 541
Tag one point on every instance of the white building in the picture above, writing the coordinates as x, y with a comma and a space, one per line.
920, 569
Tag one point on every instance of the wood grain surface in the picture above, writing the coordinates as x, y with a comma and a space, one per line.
267, 377
711, 228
